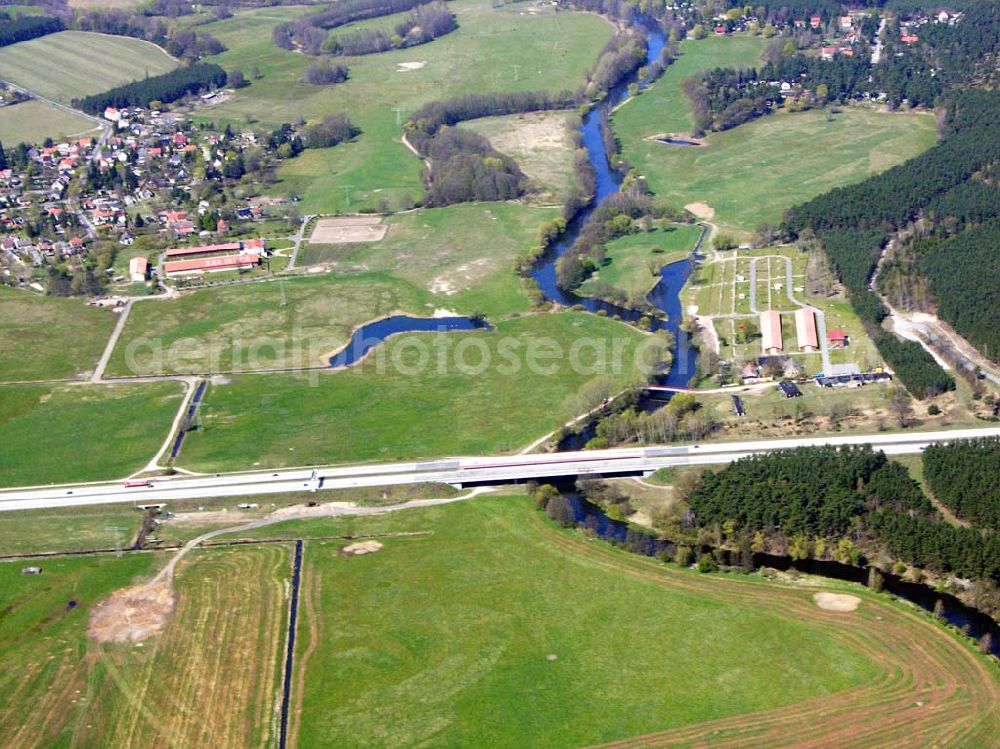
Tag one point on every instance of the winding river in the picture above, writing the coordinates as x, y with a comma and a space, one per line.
665, 296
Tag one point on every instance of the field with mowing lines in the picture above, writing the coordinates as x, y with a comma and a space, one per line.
61, 433
33, 122
73, 64
418, 395
49, 338
443, 638
553, 51
211, 678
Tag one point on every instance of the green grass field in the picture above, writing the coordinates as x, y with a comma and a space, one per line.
445, 639
414, 407
59, 433
47, 338
76, 529
755, 172
246, 326
73, 64
540, 143
462, 254
33, 122
552, 51
634, 261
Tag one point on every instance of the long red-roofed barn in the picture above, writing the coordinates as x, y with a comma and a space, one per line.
770, 329
805, 329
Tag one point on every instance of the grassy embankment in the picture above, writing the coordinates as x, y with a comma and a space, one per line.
47, 338
415, 407
553, 51
61, 433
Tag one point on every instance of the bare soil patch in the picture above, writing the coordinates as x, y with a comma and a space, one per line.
701, 210
132, 614
402, 67
361, 548
836, 601
348, 229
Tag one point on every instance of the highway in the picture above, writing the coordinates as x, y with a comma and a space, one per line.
460, 471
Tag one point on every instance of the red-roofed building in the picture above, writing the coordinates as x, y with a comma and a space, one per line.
770, 329
837, 338
138, 267
208, 249
210, 264
805, 329
815, 22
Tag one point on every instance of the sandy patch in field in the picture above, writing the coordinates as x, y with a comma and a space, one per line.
348, 229
132, 614
460, 278
836, 601
442, 312
402, 67
361, 548
701, 210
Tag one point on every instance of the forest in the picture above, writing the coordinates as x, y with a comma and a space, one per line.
465, 167
27, 27
963, 273
964, 475
824, 497
918, 371
179, 42
163, 88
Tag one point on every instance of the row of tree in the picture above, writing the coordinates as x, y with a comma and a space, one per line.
310, 32
424, 24
21, 29
179, 42
162, 88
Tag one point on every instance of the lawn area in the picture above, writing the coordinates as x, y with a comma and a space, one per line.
553, 50
634, 261
400, 404
76, 529
73, 64
213, 674
542, 145
462, 254
32, 122
47, 338
296, 322
753, 173
60, 433
481, 632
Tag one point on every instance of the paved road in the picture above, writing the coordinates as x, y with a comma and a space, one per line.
297, 238
460, 471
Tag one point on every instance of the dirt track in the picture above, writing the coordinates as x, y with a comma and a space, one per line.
933, 691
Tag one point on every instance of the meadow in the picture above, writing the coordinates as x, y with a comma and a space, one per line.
77, 529
400, 402
72, 64
61, 433
634, 261
753, 173
552, 50
32, 122
493, 628
462, 254
210, 678
541, 143
46, 338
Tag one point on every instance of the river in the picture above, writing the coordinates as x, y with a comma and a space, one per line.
665, 296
